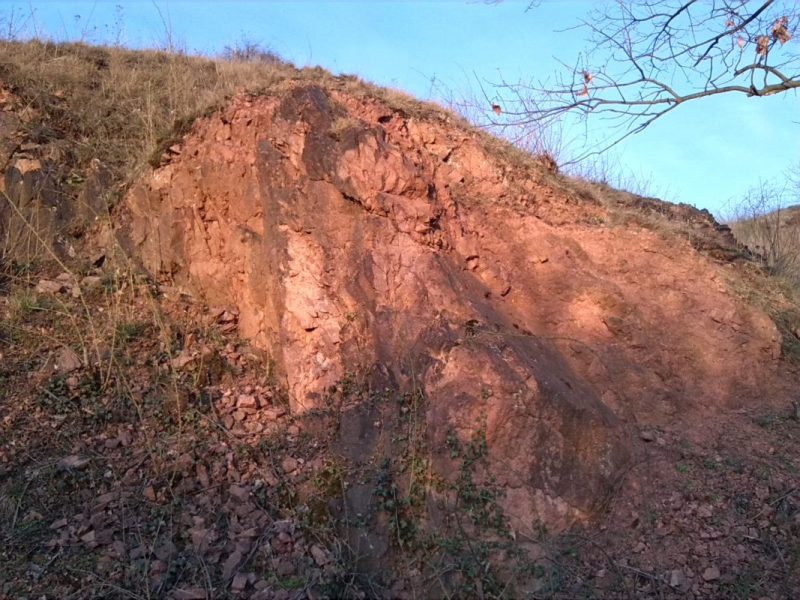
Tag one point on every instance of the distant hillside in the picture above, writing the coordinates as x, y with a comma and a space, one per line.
773, 236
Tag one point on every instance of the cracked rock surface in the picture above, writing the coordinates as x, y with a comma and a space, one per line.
350, 239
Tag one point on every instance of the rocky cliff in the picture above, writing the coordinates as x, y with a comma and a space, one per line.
358, 242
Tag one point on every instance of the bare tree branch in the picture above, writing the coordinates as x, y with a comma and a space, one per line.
648, 57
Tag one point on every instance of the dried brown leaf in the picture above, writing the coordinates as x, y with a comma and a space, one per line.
780, 30
762, 45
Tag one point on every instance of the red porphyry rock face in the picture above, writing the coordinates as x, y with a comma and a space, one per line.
350, 237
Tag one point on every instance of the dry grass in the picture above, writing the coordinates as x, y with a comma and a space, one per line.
122, 106
118, 105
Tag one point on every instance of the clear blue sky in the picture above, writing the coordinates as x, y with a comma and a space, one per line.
704, 153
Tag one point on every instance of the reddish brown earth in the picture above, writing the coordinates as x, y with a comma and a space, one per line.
351, 239
375, 353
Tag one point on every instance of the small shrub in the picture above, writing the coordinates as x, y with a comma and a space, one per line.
248, 51
341, 125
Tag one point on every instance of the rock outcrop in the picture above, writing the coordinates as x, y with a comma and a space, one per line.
44, 207
354, 239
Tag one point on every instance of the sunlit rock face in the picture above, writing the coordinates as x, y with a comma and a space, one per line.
352, 238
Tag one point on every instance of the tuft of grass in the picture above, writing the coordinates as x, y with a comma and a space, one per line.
341, 125
127, 331
24, 302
